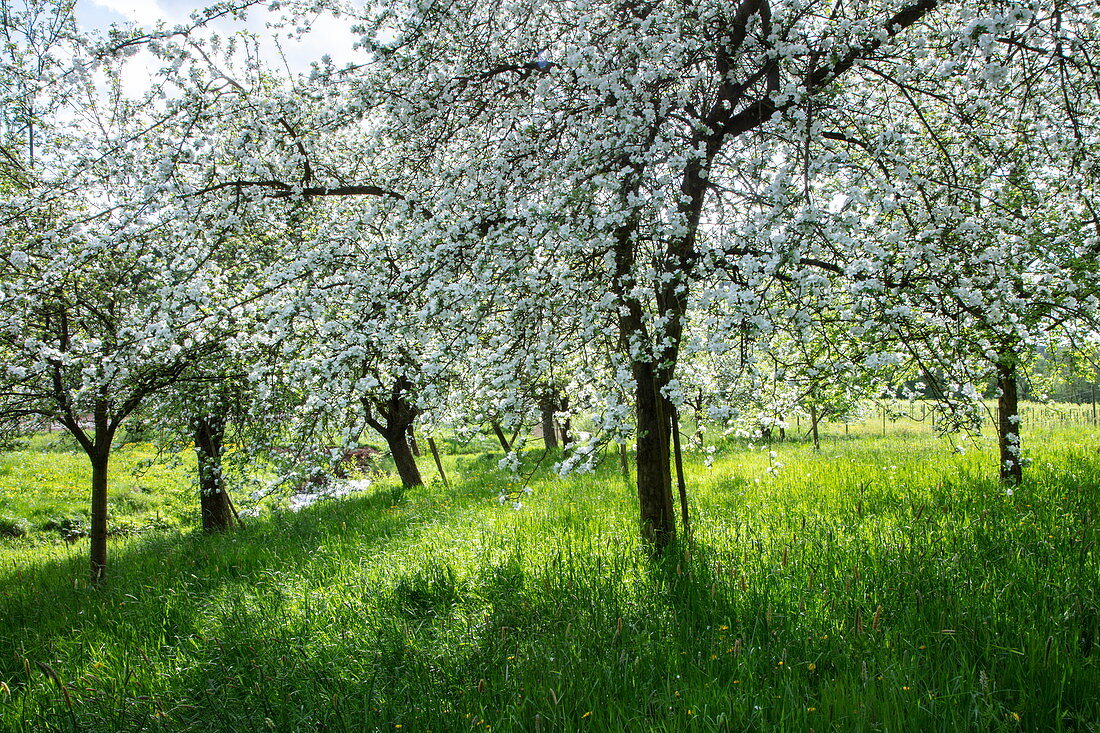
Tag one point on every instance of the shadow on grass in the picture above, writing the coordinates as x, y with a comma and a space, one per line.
170, 577
329, 620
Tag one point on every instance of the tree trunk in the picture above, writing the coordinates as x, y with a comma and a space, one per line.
215, 508
1008, 423
403, 457
658, 520
549, 429
398, 413
97, 532
99, 452
413, 444
566, 436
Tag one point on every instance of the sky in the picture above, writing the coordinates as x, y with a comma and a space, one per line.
328, 36
100, 14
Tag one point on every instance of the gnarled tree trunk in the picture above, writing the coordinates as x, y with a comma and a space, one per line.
548, 406
397, 412
214, 504
404, 460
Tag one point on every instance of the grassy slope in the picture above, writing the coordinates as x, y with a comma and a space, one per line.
883, 584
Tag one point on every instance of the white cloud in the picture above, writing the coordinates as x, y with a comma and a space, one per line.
144, 12
328, 36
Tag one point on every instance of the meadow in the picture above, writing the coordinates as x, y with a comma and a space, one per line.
884, 583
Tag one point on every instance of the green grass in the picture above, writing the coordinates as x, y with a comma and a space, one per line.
909, 418
46, 485
883, 584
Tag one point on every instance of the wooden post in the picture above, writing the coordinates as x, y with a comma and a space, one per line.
813, 426
438, 463
680, 472
501, 437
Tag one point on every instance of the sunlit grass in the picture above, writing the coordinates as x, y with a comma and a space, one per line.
881, 584
47, 484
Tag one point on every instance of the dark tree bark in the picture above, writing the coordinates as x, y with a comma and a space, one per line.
658, 519
215, 507
564, 425
413, 446
404, 460
397, 412
566, 436
547, 408
97, 446
551, 402
1008, 422
97, 532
